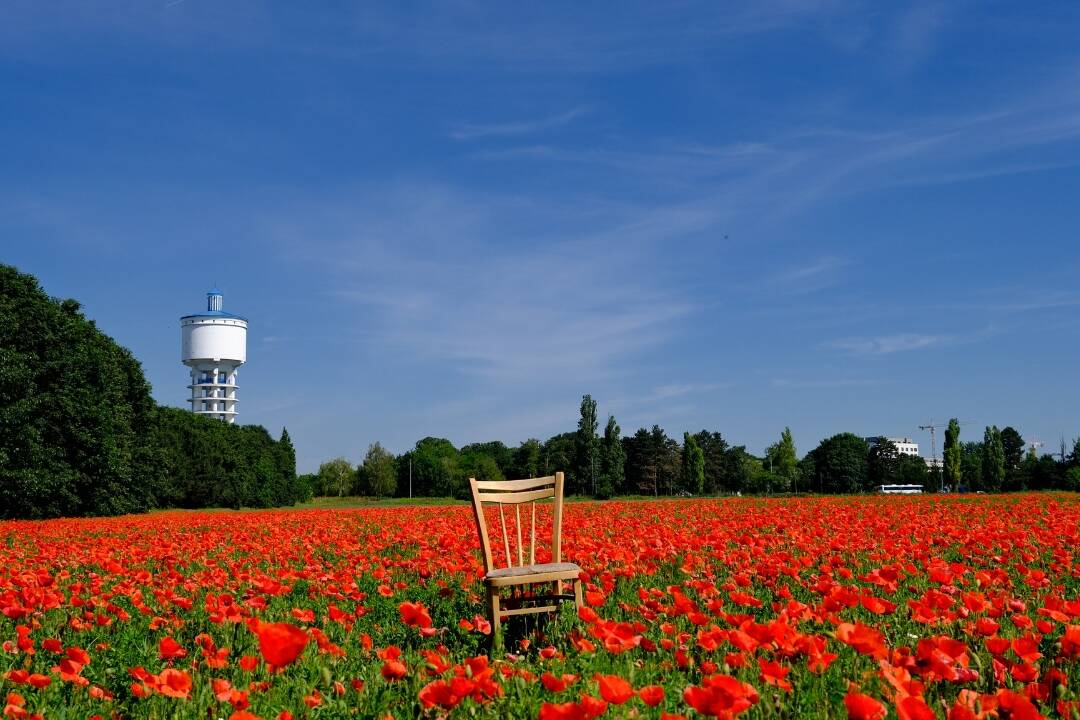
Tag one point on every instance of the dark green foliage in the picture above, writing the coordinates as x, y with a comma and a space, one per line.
527, 460
652, 462
1013, 446
993, 460
73, 405
718, 462
883, 465
80, 434
953, 470
841, 464
971, 473
207, 463
557, 455
692, 471
378, 473
912, 470
612, 460
502, 456
586, 449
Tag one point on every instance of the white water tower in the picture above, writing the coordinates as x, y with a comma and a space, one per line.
213, 344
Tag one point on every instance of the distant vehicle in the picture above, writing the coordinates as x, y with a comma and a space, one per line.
900, 489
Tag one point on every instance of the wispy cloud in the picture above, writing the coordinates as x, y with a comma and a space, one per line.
473, 131
431, 269
887, 344
828, 383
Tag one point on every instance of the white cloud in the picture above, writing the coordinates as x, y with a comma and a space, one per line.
472, 131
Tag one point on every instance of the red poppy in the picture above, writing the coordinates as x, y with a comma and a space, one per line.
169, 649
863, 707
651, 695
614, 689
414, 614
280, 643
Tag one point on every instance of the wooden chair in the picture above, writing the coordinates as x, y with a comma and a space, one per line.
517, 493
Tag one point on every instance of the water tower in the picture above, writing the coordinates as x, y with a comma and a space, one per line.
213, 344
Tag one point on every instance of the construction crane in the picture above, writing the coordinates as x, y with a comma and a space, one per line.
933, 427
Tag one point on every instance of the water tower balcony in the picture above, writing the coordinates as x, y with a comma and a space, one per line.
209, 384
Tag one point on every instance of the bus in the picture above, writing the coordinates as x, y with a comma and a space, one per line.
900, 489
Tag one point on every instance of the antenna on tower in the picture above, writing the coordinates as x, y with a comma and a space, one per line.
1034, 444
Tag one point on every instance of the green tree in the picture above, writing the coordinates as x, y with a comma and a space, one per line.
435, 469
782, 461
993, 460
1013, 445
336, 477
912, 470
718, 471
612, 461
841, 464
286, 468
497, 451
692, 475
527, 458
587, 448
75, 412
378, 474
971, 472
557, 455
953, 469
883, 466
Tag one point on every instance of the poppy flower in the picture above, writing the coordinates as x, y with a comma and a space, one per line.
614, 689
651, 695
280, 643
169, 649
863, 707
414, 614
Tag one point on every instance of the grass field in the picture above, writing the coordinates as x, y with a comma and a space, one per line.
870, 607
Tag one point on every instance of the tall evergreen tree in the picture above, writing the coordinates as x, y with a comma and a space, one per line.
953, 469
993, 464
783, 463
692, 470
612, 461
587, 447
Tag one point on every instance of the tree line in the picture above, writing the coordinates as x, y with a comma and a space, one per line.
80, 433
649, 462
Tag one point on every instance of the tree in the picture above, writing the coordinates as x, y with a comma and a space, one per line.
526, 463
912, 470
435, 469
748, 475
993, 460
718, 472
336, 477
498, 452
1013, 446
587, 447
692, 475
286, 467
783, 463
612, 460
557, 455
952, 454
75, 412
971, 472
378, 474
841, 464
883, 463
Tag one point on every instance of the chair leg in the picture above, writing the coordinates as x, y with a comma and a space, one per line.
496, 615
577, 595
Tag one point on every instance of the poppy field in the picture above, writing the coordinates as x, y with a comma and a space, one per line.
870, 607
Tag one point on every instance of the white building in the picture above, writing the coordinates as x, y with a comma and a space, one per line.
904, 446
213, 344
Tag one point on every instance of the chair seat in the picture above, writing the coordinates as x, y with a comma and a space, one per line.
544, 572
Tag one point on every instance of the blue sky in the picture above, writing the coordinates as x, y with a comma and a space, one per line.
455, 219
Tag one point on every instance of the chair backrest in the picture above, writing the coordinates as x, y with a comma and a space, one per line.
517, 493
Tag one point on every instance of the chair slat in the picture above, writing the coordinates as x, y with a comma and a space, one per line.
506, 538
512, 498
514, 485
532, 547
521, 545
